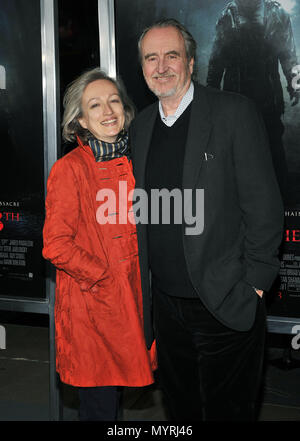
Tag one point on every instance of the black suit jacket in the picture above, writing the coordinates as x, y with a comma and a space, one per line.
227, 155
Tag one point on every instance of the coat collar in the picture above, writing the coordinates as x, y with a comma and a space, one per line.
85, 147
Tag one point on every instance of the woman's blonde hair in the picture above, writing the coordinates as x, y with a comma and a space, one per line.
72, 104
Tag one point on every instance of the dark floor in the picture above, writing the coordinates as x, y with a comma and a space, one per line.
24, 380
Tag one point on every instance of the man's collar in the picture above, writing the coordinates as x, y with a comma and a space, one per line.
184, 103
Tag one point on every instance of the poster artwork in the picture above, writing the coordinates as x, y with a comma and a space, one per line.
22, 152
251, 47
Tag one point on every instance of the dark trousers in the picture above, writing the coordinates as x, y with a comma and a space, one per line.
99, 403
207, 371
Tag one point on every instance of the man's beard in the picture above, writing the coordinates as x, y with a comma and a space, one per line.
160, 94
169, 92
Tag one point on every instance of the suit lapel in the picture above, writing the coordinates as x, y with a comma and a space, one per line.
196, 145
197, 139
143, 141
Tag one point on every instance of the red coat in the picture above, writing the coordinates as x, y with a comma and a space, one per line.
99, 337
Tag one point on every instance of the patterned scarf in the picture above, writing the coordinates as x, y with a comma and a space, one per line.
105, 151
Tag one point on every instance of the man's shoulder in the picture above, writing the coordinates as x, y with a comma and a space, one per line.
220, 99
144, 114
224, 108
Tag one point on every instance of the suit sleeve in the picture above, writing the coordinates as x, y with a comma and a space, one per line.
259, 197
60, 228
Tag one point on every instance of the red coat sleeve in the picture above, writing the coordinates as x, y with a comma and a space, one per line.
60, 228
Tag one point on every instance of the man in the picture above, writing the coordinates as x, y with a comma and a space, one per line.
207, 289
254, 37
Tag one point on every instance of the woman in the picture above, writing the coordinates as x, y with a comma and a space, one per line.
98, 308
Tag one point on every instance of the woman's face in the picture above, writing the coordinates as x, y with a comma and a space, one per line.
102, 109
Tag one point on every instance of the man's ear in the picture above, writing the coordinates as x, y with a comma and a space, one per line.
191, 65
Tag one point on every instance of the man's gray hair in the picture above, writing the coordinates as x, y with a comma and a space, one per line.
189, 42
72, 104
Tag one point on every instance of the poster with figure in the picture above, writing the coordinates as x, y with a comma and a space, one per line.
251, 47
22, 150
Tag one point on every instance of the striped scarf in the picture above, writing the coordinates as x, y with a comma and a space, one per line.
105, 151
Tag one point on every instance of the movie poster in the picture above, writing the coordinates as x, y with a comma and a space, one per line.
250, 47
22, 150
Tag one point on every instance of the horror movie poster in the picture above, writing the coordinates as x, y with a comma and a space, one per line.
251, 47
22, 156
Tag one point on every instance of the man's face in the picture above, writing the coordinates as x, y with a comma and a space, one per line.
166, 69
